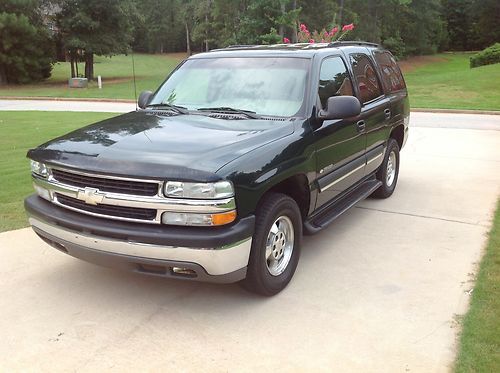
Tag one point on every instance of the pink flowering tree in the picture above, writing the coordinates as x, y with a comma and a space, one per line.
323, 36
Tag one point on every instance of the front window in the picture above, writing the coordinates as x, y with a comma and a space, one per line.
334, 80
267, 86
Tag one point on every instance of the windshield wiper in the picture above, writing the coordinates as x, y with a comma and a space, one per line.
176, 108
224, 109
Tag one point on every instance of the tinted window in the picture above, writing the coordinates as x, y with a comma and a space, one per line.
391, 74
366, 78
334, 80
268, 86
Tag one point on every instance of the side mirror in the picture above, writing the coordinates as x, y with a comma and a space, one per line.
144, 99
341, 107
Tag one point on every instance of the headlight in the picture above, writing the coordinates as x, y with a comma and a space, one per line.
179, 189
181, 218
39, 169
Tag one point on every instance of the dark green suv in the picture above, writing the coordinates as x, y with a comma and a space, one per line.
219, 173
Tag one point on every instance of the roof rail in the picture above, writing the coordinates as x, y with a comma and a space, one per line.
338, 43
299, 45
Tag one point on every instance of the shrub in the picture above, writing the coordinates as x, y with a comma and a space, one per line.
488, 56
396, 45
26, 51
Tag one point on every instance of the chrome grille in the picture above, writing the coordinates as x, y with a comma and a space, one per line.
108, 210
133, 187
119, 198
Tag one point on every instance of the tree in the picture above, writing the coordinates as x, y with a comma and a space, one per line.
457, 14
26, 51
89, 27
485, 15
160, 27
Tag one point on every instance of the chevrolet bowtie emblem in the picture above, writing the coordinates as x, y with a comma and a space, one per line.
90, 196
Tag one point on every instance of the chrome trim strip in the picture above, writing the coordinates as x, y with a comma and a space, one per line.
343, 177
161, 204
375, 158
103, 176
216, 261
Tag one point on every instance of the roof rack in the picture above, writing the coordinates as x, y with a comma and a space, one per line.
239, 46
353, 42
295, 46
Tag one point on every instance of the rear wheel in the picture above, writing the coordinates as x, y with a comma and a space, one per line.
388, 171
275, 246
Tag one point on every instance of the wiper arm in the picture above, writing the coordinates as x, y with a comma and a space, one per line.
178, 109
224, 109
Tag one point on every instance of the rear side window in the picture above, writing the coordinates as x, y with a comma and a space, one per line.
334, 80
391, 74
366, 78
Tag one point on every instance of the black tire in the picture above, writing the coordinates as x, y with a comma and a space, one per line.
275, 207
386, 189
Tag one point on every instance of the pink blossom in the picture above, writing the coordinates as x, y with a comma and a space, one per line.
348, 27
326, 34
334, 31
303, 27
286, 40
311, 41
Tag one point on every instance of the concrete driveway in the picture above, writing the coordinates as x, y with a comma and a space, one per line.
379, 290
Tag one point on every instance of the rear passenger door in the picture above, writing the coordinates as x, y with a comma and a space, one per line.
394, 85
375, 108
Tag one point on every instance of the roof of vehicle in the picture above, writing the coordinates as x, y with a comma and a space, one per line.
296, 49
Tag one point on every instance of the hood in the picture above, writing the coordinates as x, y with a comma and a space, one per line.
149, 144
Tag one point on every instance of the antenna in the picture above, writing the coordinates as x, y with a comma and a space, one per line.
135, 85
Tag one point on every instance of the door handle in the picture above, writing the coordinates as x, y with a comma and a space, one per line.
361, 125
387, 113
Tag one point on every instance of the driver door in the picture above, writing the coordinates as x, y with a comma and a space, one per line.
340, 143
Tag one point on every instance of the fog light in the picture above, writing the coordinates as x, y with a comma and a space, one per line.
181, 218
184, 271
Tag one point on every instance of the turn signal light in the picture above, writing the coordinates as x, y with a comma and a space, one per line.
223, 218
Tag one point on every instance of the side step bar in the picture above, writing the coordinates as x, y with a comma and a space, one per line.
317, 222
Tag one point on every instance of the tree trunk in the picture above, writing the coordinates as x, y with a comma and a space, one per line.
282, 26
341, 11
209, 4
188, 42
89, 66
295, 35
72, 64
92, 66
206, 33
3, 75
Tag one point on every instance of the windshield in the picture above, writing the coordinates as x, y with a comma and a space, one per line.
267, 86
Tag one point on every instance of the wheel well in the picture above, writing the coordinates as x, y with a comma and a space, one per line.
297, 188
398, 135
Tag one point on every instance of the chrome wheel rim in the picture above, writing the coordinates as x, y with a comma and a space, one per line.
279, 245
391, 169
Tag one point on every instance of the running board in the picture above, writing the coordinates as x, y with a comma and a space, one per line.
324, 218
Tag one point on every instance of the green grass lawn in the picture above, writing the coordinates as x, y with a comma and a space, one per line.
116, 72
479, 349
451, 84
20, 131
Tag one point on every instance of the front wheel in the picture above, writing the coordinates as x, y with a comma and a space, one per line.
275, 246
388, 171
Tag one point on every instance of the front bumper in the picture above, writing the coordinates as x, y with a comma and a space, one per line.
210, 254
